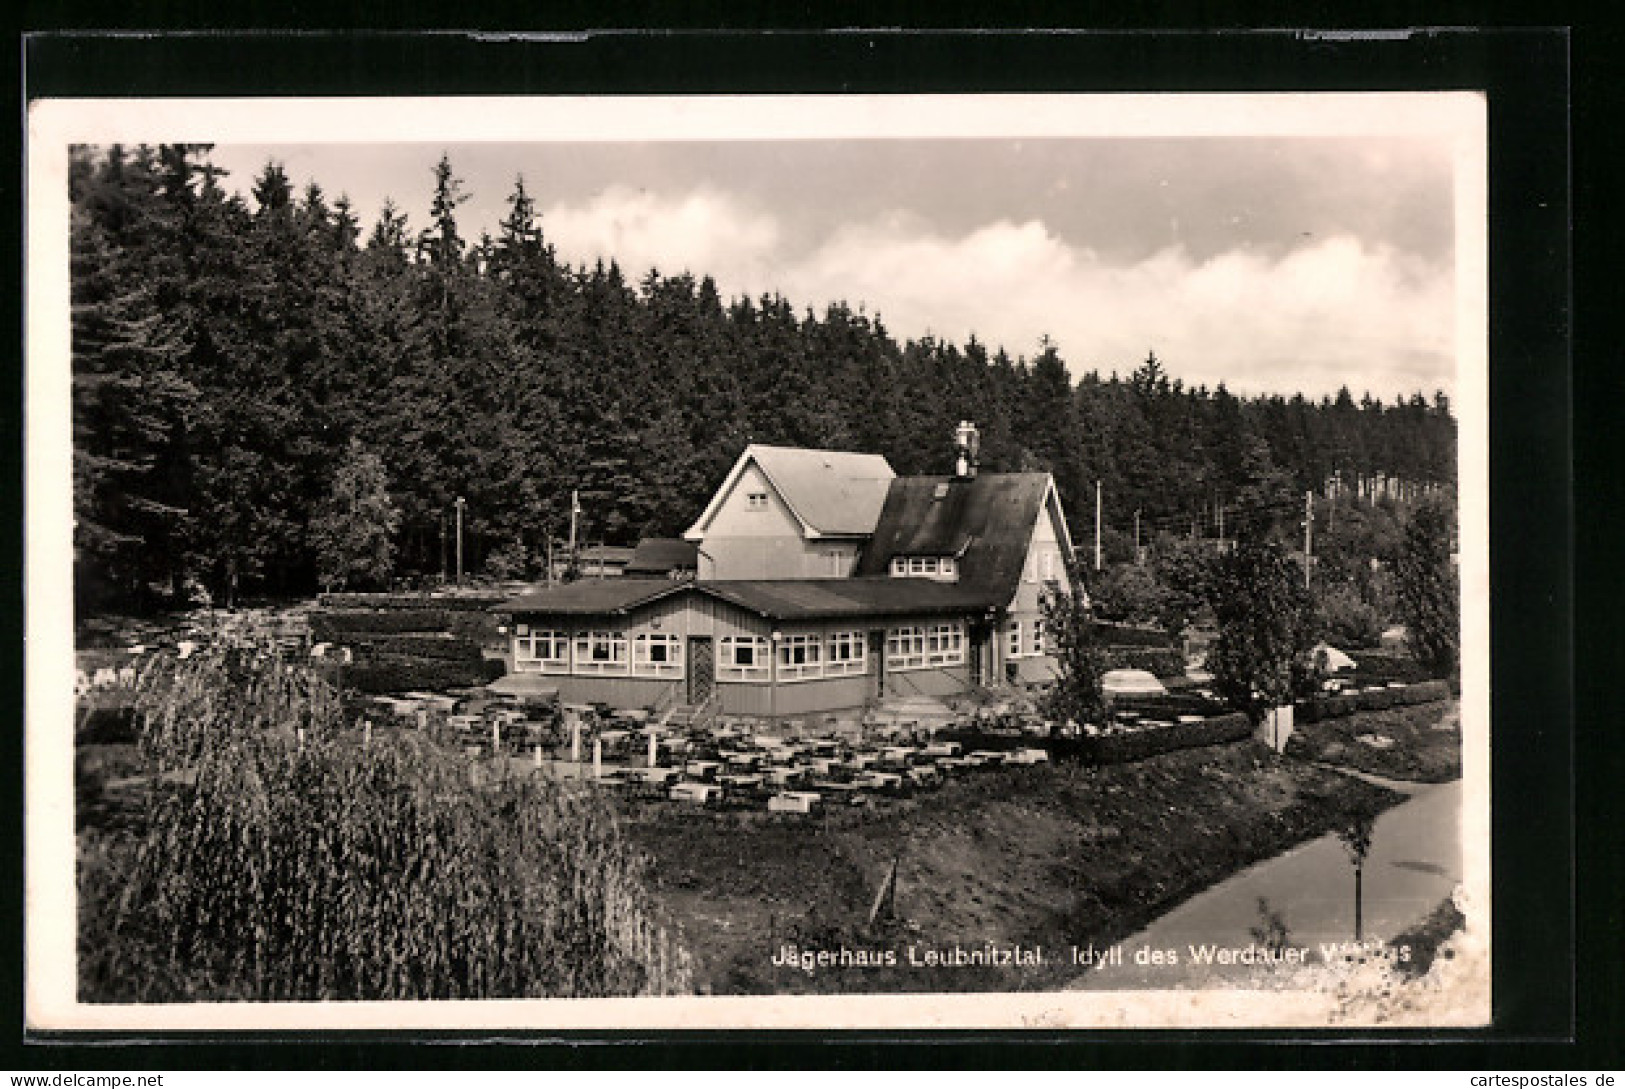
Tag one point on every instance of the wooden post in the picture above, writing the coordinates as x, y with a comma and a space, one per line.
1358, 873
885, 905
366, 736
575, 741
597, 758
654, 748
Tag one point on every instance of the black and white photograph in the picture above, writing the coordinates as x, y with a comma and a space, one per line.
966, 561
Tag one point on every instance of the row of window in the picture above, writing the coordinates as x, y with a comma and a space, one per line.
741, 657
932, 567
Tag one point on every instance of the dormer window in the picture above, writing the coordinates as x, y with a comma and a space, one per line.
939, 568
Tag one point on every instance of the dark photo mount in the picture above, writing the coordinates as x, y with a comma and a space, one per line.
1524, 75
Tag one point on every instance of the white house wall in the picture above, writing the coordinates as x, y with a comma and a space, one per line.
767, 543
1045, 555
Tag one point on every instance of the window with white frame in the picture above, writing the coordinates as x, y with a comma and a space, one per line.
845, 653
801, 657
1012, 638
1038, 635
656, 654
945, 644
744, 658
941, 568
601, 652
905, 648
541, 651
756, 501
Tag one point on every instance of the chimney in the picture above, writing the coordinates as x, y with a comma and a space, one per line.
967, 447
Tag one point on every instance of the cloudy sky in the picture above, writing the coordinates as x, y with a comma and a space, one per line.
1269, 263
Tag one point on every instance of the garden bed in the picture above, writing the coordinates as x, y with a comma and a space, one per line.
1122, 743
1420, 743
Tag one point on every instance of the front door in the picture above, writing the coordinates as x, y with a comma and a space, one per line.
702, 669
978, 650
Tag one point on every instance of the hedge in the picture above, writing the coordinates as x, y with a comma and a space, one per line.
1116, 748
1123, 748
1325, 707
1159, 661
346, 625
422, 645
1128, 635
1375, 667
1171, 705
462, 603
394, 673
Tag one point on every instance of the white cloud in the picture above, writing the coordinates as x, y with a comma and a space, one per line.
1333, 311
703, 232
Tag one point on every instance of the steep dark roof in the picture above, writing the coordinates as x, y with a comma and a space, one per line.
659, 555
987, 522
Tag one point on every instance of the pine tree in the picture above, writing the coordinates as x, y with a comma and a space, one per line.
1428, 589
353, 531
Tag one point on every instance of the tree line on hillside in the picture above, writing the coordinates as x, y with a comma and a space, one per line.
240, 366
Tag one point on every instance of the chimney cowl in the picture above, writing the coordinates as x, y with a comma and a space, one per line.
967, 450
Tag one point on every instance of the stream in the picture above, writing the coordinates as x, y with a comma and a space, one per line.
1413, 862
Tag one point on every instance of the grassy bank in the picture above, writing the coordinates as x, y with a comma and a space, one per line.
1419, 744
1049, 856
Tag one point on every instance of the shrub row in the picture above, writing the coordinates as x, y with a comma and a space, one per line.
435, 646
1160, 661
462, 603
1127, 747
345, 625
1325, 707
395, 673
1129, 635
1171, 705
1376, 667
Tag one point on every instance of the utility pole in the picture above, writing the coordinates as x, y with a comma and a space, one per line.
575, 512
1308, 535
461, 502
1097, 525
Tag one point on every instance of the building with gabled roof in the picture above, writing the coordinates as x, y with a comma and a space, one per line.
825, 582
783, 512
